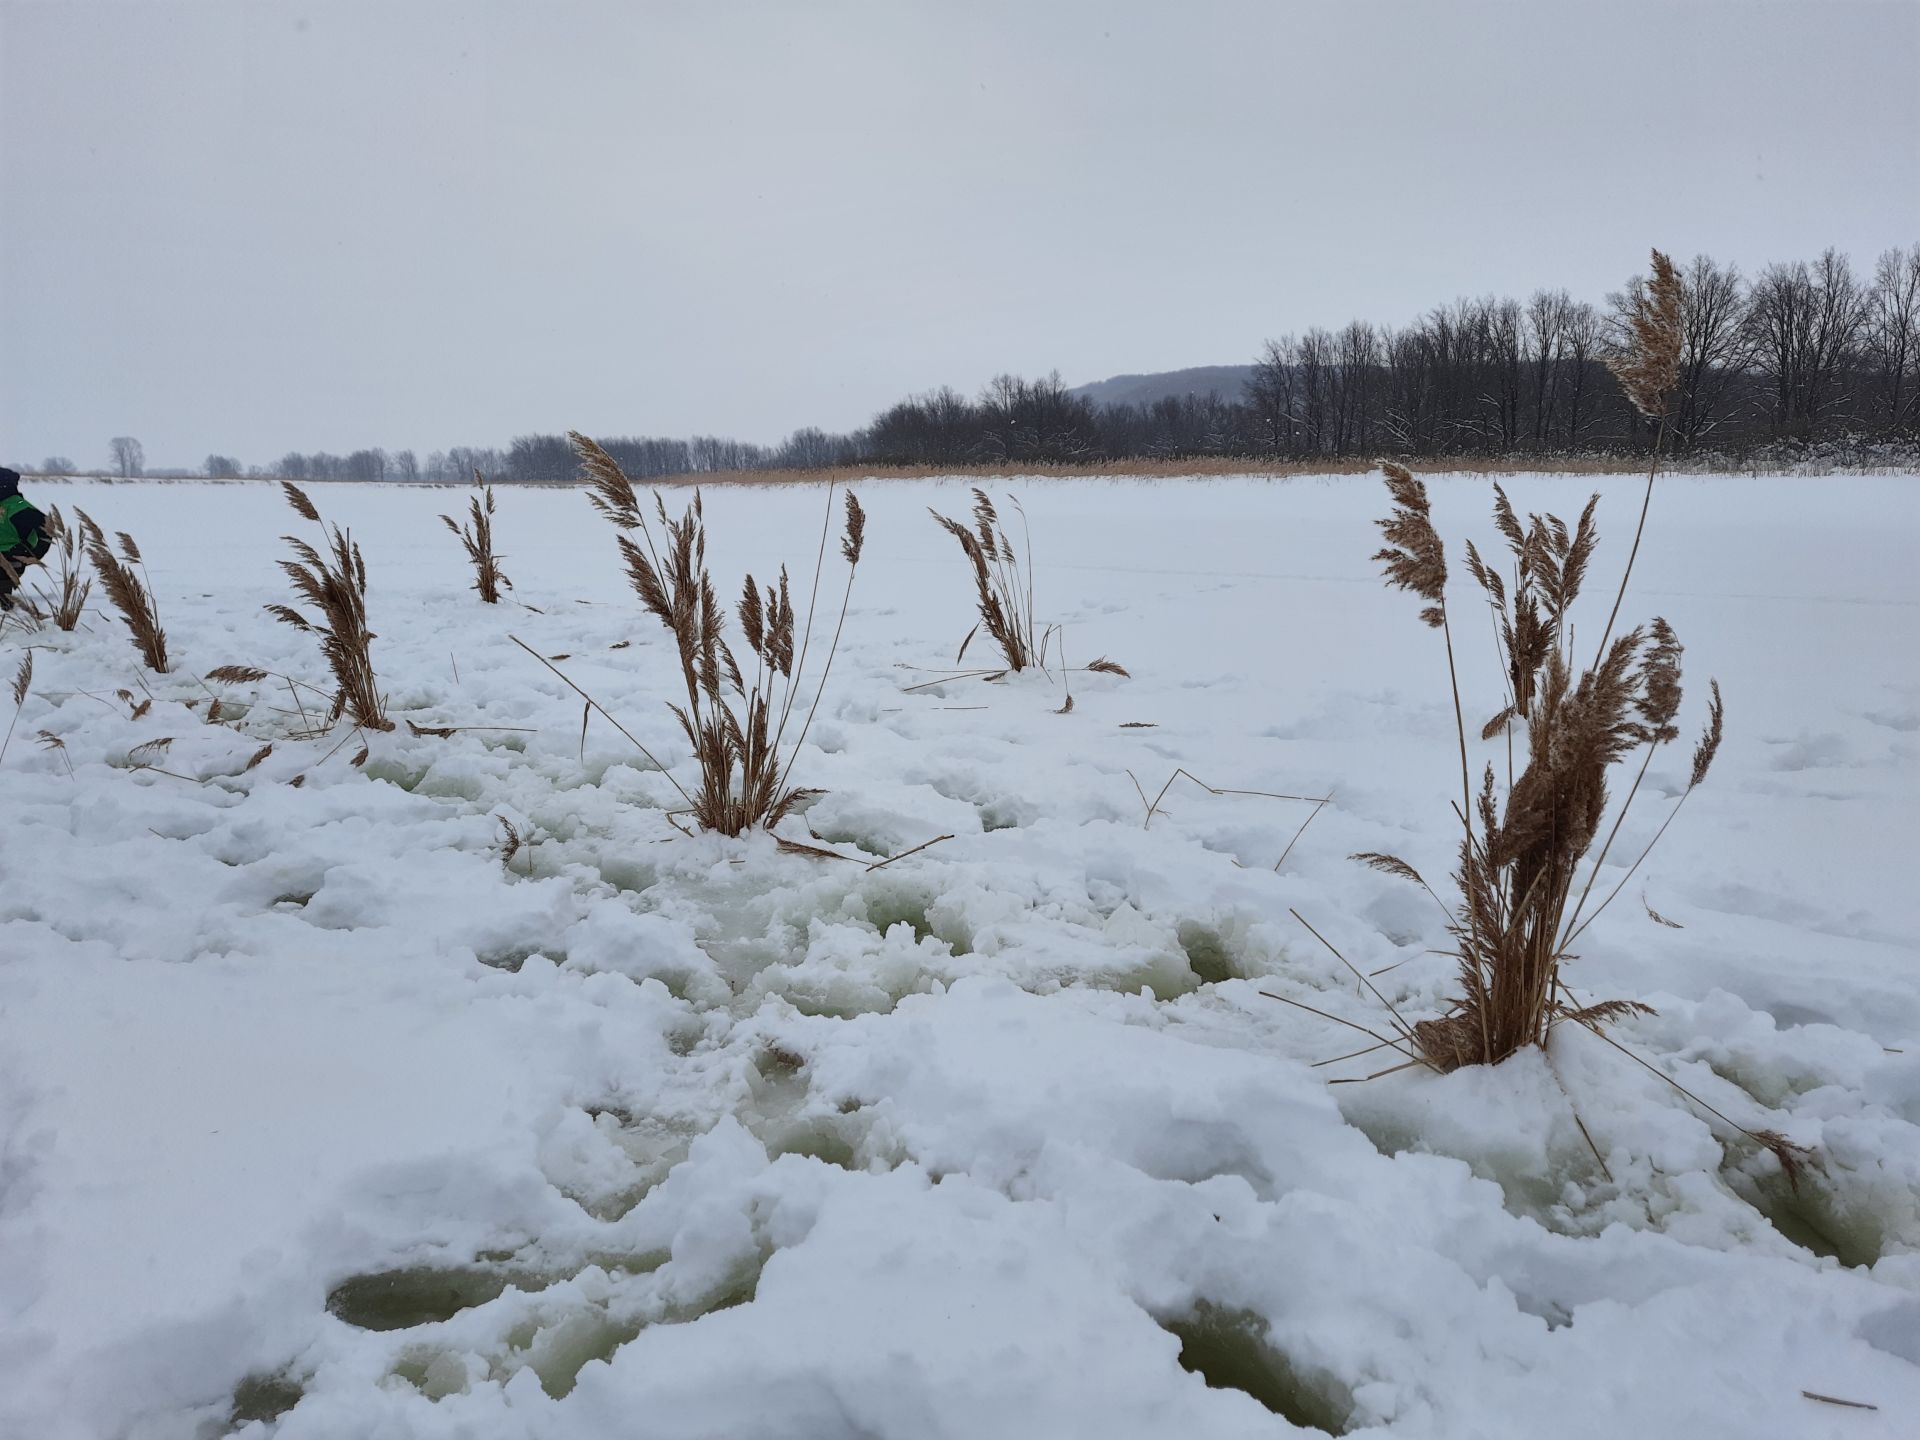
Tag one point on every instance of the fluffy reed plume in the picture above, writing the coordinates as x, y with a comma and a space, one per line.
1647, 365
128, 591
1520, 862
1002, 582
335, 584
737, 728
477, 535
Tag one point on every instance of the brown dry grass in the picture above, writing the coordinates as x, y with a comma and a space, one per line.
737, 727
477, 536
1513, 926
1520, 863
335, 584
128, 591
71, 583
1003, 584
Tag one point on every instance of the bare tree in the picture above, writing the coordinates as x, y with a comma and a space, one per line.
1585, 334
223, 467
1805, 322
1893, 340
366, 466
1270, 393
1714, 347
129, 459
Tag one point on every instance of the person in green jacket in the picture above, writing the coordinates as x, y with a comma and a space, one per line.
23, 535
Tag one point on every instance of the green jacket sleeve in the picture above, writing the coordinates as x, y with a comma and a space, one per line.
9, 537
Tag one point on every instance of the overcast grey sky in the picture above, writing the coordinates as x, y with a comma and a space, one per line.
250, 226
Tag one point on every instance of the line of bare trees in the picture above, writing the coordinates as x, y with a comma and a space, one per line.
1806, 353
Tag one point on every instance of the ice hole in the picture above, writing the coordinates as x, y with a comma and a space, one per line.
1229, 1350
422, 1295
264, 1398
1810, 1218
1207, 953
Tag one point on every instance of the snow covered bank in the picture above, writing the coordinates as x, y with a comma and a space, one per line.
307, 1099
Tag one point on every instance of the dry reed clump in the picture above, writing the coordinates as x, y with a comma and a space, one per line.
63, 607
1520, 864
72, 584
131, 595
477, 536
1003, 585
24, 610
335, 584
737, 728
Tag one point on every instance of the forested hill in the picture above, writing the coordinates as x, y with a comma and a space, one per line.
1223, 381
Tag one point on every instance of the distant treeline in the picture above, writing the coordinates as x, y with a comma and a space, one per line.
1804, 354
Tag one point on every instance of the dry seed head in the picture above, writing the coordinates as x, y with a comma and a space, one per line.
856, 535
236, 674
1792, 1157
1659, 698
1648, 367
22, 678
1659, 919
780, 629
297, 498
1709, 745
510, 839
1608, 1011
1388, 864
1508, 522
752, 617
128, 595
610, 492
1575, 557
1414, 559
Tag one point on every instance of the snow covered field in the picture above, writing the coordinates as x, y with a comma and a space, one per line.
316, 1120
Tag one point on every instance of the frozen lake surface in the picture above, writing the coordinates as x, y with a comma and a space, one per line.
317, 1120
